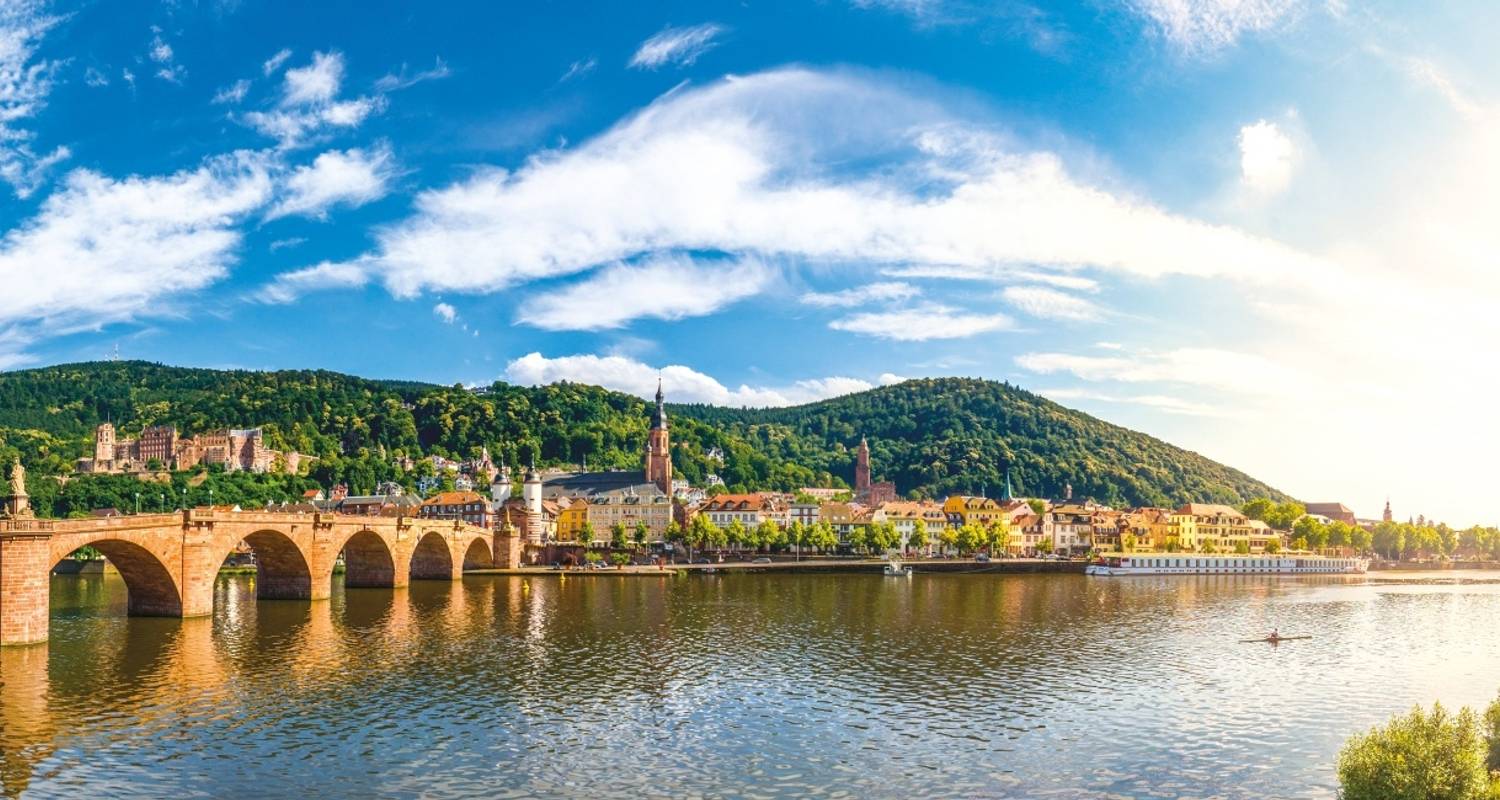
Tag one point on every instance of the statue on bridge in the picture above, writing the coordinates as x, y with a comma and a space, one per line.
18, 503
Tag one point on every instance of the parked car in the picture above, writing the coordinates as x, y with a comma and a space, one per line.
761, 560
982, 557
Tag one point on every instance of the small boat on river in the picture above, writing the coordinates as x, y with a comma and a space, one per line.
895, 569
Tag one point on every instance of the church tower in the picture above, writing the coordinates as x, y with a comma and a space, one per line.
1387, 515
659, 447
862, 469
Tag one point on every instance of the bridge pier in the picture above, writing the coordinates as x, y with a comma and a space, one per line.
25, 569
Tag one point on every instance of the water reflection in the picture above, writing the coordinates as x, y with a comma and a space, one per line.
960, 686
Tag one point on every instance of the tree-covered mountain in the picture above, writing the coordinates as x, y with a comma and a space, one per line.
930, 437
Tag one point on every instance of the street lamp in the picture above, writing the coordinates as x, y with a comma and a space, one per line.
137, 502
163, 500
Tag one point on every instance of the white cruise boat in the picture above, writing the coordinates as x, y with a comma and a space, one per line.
1234, 564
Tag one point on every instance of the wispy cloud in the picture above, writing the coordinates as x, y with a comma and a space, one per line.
274, 62
679, 46
446, 313
25, 83
1044, 303
1198, 27
922, 323
290, 286
161, 54
348, 178
398, 81
861, 295
578, 69
717, 164
128, 244
310, 103
232, 94
666, 287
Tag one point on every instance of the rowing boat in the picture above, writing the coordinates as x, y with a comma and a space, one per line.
1269, 640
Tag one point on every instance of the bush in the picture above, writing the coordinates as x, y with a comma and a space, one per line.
1418, 756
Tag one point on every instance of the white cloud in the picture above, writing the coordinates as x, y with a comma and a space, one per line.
680, 383
398, 81
338, 177
290, 286
680, 46
861, 295
890, 379
274, 62
1045, 303
1429, 74
25, 84
666, 287
1212, 368
922, 323
578, 69
310, 103
233, 93
1203, 26
745, 167
445, 312
102, 250
161, 54
1267, 157
94, 78
1166, 403
317, 83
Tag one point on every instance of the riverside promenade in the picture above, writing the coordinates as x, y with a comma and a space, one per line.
952, 566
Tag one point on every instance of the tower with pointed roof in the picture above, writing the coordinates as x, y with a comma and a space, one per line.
862, 469
1009, 495
658, 454
1387, 515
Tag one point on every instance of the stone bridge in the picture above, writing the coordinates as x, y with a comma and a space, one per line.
170, 561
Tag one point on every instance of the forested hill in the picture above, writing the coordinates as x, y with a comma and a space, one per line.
929, 436
945, 435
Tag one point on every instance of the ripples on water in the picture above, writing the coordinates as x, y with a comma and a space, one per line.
1047, 686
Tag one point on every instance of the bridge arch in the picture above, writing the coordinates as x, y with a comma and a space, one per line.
281, 568
151, 590
477, 555
368, 561
432, 559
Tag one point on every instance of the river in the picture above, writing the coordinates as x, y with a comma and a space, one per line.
1025, 686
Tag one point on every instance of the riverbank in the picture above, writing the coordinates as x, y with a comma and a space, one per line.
1425, 566
814, 566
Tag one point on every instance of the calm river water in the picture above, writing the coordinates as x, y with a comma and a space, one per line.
1045, 686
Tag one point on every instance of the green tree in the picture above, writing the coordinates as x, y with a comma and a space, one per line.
1259, 508
948, 536
736, 534
1285, 515
1127, 542
971, 537
586, 533
917, 539
1242, 548
823, 537
618, 538
859, 538
769, 535
1418, 756
1038, 507
619, 559
641, 533
1273, 545
1315, 532
1044, 546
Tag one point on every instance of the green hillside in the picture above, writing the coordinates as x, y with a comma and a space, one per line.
929, 436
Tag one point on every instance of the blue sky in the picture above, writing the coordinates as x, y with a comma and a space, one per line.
1260, 229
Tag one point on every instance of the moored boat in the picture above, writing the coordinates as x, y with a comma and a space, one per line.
896, 569
1114, 564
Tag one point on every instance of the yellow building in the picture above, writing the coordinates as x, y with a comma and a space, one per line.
1221, 528
963, 509
570, 519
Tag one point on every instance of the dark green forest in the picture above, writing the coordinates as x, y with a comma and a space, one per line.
931, 437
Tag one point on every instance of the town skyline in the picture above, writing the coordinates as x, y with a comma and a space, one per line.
1256, 230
